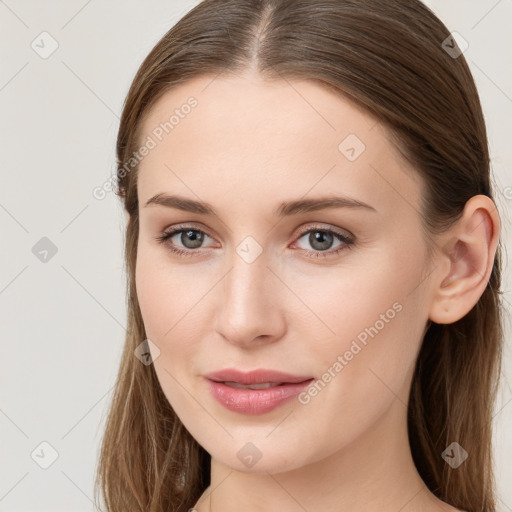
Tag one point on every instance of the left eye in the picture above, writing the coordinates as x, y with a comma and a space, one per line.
322, 239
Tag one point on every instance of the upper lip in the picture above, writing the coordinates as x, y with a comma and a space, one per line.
259, 376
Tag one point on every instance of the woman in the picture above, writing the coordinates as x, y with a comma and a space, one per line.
313, 262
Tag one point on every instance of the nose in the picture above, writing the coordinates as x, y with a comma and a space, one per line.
250, 308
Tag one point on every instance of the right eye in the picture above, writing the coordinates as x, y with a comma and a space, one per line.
190, 237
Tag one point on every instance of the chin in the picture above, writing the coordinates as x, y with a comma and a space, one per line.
260, 455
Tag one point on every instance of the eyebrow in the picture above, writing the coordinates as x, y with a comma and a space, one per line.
284, 209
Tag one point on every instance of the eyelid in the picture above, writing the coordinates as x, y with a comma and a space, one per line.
187, 226
326, 227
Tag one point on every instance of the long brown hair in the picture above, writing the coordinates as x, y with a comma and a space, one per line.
388, 57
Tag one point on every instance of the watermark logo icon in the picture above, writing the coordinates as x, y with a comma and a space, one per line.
351, 147
454, 455
455, 45
249, 249
249, 454
44, 455
44, 250
147, 352
44, 45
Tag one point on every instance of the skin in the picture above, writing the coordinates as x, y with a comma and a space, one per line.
248, 146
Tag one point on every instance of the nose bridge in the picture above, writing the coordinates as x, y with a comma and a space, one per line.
248, 259
249, 304
247, 285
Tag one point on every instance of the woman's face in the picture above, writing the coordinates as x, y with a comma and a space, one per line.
334, 294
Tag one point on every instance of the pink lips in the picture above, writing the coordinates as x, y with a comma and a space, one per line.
254, 401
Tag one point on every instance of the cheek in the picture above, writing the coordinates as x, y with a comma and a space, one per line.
167, 302
165, 293
152, 301
368, 364
375, 321
348, 301
175, 304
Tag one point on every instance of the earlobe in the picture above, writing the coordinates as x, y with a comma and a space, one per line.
469, 256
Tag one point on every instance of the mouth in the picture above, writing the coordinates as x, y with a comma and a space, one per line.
255, 392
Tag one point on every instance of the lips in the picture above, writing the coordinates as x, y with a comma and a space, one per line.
255, 392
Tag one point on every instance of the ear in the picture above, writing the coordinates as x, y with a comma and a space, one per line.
465, 261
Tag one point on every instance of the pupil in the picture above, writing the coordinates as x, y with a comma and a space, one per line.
320, 240
192, 239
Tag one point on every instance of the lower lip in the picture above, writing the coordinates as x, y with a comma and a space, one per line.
254, 401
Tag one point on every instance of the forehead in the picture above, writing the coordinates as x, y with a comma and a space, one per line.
256, 137
230, 107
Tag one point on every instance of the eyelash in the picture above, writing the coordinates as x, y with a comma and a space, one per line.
347, 241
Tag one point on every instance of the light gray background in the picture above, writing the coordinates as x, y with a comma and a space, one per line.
62, 322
